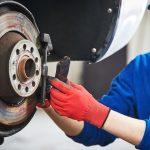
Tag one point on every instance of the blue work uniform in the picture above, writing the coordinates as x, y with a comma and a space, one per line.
129, 94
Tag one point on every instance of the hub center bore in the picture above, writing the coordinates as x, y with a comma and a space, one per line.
26, 68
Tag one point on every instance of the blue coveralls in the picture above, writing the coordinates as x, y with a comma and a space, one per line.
129, 94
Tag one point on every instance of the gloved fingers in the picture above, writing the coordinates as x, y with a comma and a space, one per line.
77, 86
58, 109
57, 94
58, 102
61, 86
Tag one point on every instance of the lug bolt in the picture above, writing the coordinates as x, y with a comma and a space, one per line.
94, 50
109, 10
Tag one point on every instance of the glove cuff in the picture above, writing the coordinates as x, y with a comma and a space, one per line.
98, 114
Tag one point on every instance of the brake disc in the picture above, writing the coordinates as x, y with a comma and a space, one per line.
20, 69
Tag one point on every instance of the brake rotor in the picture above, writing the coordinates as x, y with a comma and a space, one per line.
20, 67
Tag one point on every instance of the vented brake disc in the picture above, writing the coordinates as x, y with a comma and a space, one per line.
20, 67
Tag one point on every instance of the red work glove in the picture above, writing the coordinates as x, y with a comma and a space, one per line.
74, 101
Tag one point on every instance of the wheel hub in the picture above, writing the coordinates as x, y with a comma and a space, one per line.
25, 68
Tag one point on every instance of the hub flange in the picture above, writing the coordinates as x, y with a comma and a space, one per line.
25, 68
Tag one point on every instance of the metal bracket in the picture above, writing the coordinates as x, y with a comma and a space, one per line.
45, 51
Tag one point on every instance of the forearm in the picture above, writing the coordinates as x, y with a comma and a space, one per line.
126, 128
69, 126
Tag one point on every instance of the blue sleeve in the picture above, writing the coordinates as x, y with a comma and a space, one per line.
145, 143
120, 98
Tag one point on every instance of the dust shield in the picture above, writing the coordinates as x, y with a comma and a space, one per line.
87, 30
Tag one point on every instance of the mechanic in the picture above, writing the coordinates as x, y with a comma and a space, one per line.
123, 112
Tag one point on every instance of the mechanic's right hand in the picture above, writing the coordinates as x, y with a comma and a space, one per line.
74, 101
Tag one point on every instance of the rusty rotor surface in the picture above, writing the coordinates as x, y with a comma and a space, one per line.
14, 107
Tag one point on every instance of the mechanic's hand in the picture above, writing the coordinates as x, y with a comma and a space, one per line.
74, 101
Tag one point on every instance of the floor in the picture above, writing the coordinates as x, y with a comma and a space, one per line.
42, 134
